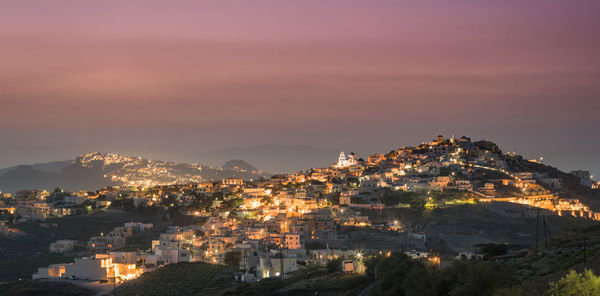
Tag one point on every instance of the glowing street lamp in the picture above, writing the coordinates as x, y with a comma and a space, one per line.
359, 254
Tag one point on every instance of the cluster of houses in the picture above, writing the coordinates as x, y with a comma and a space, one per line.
274, 219
38, 205
116, 238
107, 263
263, 251
267, 247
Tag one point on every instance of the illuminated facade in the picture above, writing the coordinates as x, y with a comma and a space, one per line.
346, 162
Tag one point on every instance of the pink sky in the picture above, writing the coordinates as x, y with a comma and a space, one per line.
170, 78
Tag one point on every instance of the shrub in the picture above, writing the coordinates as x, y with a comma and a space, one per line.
576, 284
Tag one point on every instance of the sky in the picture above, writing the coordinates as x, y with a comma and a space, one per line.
175, 79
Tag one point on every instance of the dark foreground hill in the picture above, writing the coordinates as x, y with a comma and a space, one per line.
40, 288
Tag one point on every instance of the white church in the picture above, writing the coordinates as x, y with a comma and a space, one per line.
346, 162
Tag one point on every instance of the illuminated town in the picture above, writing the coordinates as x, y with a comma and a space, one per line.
291, 148
270, 221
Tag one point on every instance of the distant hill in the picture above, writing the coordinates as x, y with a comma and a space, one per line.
50, 167
275, 158
236, 164
72, 177
95, 170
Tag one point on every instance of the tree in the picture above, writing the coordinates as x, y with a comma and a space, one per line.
218, 195
576, 284
334, 198
334, 265
232, 258
393, 198
169, 201
398, 274
56, 195
89, 206
418, 204
475, 278
267, 200
231, 204
352, 182
202, 202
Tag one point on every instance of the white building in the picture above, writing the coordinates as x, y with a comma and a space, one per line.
54, 271
323, 256
138, 226
273, 266
99, 267
346, 162
61, 246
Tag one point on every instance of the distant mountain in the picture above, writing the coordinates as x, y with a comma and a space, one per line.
236, 164
50, 167
72, 177
275, 158
95, 170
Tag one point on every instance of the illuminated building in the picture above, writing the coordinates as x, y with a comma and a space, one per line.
292, 241
346, 162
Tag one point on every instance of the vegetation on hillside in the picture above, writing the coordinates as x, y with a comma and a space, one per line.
20, 256
576, 284
41, 288
398, 274
180, 279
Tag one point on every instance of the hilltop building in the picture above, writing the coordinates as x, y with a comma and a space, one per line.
346, 162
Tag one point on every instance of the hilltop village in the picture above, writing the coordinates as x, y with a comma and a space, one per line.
273, 227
